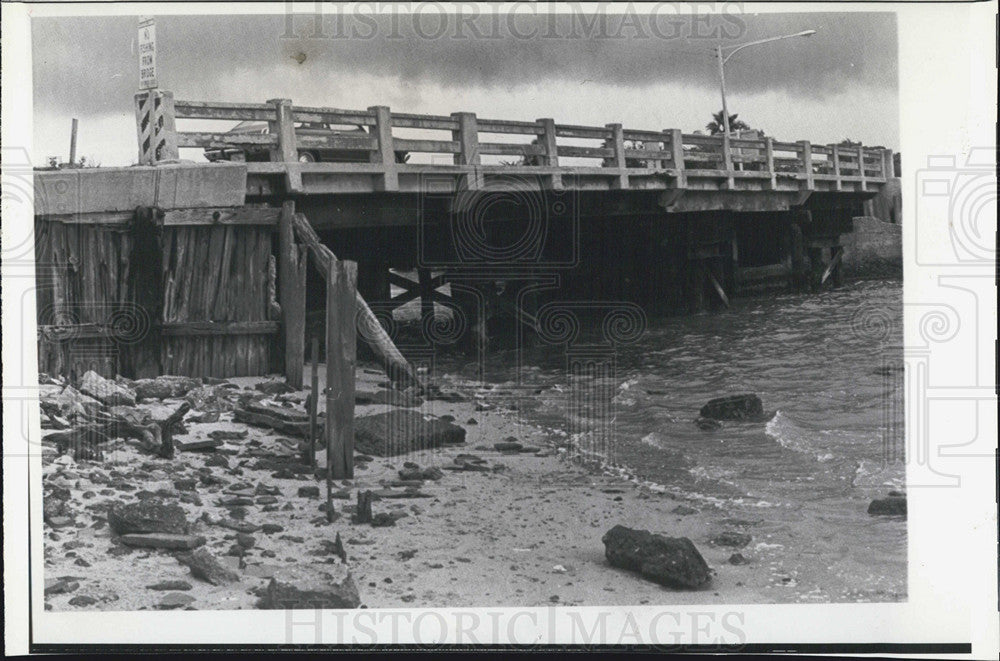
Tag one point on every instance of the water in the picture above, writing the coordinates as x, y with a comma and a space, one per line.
806, 476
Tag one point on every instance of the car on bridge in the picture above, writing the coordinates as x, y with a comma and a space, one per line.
258, 153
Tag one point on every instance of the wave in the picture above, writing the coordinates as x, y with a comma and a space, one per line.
793, 437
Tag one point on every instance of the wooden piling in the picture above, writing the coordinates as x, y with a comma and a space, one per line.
341, 290
292, 280
313, 400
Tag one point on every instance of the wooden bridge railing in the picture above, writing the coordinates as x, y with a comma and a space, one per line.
622, 152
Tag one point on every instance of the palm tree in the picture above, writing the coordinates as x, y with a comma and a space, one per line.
718, 125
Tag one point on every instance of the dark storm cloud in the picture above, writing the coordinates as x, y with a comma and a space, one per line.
90, 64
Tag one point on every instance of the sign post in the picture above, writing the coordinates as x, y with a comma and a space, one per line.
147, 54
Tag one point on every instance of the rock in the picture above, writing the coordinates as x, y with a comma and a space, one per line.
707, 424
383, 520
164, 541
684, 510
197, 445
68, 401
670, 561
209, 399
396, 398
403, 431
163, 387
309, 492
187, 484
174, 600
296, 587
732, 539
472, 421
892, 506
108, 392
216, 460
205, 567
245, 540
170, 585
738, 559
418, 474
211, 416
61, 585
82, 600
508, 446
271, 528
228, 434
147, 516
274, 387
734, 407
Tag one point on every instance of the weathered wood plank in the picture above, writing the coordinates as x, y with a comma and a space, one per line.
340, 367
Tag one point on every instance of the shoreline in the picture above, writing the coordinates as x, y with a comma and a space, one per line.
527, 534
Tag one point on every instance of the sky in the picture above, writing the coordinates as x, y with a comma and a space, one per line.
643, 71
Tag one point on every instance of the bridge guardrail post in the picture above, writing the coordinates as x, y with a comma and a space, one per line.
547, 138
727, 160
385, 154
807, 163
467, 136
287, 150
861, 167
617, 143
769, 162
835, 155
156, 128
677, 154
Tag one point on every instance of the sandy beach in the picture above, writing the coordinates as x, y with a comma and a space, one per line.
524, 531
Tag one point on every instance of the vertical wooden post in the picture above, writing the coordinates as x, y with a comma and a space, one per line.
287, 150
313, 400
341, 290
807, 163
547, 139
291, 277
385, 154
769, 161
727, 159
72, 141
677, 150
835, 155
617, 144
467, 136
861, 167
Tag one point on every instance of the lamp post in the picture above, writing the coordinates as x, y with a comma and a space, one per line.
723, 57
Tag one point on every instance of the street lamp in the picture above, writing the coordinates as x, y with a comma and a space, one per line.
723, 58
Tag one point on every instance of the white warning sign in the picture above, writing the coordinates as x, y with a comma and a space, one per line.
147, 54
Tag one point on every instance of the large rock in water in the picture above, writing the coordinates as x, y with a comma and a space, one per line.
306, 587
734, 407
891, 506
106, 391
401, 431
147, 516
670, 561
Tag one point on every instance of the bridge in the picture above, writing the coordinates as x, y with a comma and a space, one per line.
486, 217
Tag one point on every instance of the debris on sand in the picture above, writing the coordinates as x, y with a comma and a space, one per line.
670, 561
